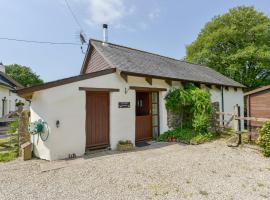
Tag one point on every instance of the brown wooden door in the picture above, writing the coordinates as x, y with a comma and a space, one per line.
143, 116
97, 119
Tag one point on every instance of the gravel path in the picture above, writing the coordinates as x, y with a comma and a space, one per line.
159, 171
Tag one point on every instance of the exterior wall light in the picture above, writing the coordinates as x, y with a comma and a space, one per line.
57, 123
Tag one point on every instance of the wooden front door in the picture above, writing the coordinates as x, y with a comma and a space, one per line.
97, 120
143, 116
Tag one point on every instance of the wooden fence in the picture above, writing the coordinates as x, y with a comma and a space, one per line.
236, 119
8, 141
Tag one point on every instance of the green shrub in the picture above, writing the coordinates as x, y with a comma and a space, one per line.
264, 138
201, 138
191, 101
8, 156
19, 104
201, 123
185, 135
12, 127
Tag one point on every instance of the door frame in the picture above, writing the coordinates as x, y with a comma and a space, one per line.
86, 131
146, 90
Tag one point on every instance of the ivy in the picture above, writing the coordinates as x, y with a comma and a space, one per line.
264, 138
194, 101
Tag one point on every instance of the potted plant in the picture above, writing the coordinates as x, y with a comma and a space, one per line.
124, 145
19, 106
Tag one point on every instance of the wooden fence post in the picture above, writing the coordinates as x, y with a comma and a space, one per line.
238, 122
235, 121
23, 133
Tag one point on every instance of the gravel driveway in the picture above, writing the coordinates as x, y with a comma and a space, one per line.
159, 171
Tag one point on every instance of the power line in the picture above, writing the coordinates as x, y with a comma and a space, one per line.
73, 15
39, 42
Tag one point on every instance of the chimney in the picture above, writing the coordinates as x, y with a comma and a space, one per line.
2, 68
105, 34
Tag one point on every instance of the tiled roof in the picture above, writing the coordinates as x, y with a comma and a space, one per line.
136, 61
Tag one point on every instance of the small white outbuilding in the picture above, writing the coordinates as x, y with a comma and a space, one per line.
8, 95
119, 95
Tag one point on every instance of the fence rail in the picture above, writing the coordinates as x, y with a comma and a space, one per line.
236, 118
8, 141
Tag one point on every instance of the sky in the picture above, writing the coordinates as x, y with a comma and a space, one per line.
165, 27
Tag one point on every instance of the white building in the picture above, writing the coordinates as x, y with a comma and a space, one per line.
8, 95
119, 95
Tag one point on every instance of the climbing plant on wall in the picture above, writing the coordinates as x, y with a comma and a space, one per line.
193, 101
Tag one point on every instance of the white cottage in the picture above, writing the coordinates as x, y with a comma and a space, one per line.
119, 95
8, 95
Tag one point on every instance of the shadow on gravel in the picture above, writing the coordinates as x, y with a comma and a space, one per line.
153, 145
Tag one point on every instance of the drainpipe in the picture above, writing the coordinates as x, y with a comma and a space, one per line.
3, 106
222, 104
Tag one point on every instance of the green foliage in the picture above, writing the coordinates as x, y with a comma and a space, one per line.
194, 101
186, 135
125, 142
19, 104
12, 127
182, 134
23, 75
9, 151
237, 44
200, 123
8, 156
264, 138
177, 98
201, 138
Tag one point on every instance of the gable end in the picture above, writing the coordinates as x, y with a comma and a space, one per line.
94, 62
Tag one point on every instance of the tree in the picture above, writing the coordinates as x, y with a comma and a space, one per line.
24, 75
236, 44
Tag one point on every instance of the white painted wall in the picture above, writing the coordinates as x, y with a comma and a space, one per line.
231, 98
67, 104
10, 102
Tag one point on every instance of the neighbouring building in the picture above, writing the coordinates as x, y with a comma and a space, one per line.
119, 95
258, 105
8, 95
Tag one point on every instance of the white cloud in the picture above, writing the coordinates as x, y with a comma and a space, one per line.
154, 14
121, 14
107, 11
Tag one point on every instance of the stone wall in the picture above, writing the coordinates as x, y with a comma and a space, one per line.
173, 120
215, 123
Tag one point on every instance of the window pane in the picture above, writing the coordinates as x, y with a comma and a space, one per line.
154, 109
154, 97
155, 132
155, 120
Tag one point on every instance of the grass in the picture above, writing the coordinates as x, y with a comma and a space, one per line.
8, 156
11, 149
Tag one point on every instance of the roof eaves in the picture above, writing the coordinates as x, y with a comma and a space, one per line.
86, 59
257, 90
177, 79
11, 80
64, 81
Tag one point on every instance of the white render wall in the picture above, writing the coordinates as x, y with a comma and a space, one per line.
67, 104
230, 98
10, 102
